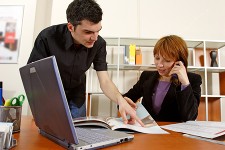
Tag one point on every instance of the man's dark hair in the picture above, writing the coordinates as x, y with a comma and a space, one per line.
79, 10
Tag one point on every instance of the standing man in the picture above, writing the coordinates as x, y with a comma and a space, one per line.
76, 45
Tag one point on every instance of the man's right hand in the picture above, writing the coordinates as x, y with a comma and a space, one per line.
128, 107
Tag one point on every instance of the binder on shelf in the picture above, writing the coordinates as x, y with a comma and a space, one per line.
126, 54
138, 57
129, 54
132, 50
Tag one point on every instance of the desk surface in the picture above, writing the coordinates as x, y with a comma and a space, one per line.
29, 138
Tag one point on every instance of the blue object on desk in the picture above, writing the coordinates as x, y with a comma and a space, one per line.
1, 99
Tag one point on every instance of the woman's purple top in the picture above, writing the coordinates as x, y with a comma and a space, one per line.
160, 90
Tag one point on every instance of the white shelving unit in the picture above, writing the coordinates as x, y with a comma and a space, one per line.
213, 86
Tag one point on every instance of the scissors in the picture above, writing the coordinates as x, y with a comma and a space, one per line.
17, 101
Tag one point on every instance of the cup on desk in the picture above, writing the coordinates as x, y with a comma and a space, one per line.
11, 114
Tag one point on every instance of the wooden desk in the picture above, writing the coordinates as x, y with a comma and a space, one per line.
29, 139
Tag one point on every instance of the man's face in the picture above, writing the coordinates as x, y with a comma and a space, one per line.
85, 33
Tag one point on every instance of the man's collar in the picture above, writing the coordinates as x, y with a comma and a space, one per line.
69, 39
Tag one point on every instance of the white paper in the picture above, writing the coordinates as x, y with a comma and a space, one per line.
7, 129
207, 129
151, 127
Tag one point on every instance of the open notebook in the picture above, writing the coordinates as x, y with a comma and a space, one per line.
48, 103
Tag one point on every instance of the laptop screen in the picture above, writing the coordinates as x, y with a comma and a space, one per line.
47, 100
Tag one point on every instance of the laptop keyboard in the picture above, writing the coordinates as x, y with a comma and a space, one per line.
92, 136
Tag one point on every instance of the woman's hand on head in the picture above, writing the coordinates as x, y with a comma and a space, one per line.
181, 72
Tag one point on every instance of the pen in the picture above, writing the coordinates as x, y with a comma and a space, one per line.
204, 139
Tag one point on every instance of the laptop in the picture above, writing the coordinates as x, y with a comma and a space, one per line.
46, 96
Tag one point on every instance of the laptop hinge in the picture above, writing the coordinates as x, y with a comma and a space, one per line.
64, 143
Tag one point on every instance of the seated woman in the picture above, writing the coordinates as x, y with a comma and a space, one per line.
170, 93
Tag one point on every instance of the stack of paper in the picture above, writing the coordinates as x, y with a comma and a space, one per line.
6, 139
207, 129
210, 131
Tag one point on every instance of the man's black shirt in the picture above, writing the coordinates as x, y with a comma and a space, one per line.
73, 60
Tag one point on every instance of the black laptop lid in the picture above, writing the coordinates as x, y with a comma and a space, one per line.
47, 99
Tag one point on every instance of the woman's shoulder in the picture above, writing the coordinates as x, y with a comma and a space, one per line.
148, 74
194, 76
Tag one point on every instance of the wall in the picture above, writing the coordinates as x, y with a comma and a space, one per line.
37, 14
42, 15
202, 19
191, 19
9, 74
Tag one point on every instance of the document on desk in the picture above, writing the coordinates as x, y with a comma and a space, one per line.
206, 129
151, 127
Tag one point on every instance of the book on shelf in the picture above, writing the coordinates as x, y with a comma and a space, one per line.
211, 131
138, 57
126, 54
113, 123
132, 50
132, 55
129, 54
6, 139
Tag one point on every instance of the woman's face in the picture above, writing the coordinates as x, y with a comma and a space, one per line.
163, 65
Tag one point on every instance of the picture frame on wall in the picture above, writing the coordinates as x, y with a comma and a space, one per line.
11, 18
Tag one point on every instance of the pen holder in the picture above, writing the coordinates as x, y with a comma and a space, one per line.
11, 114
